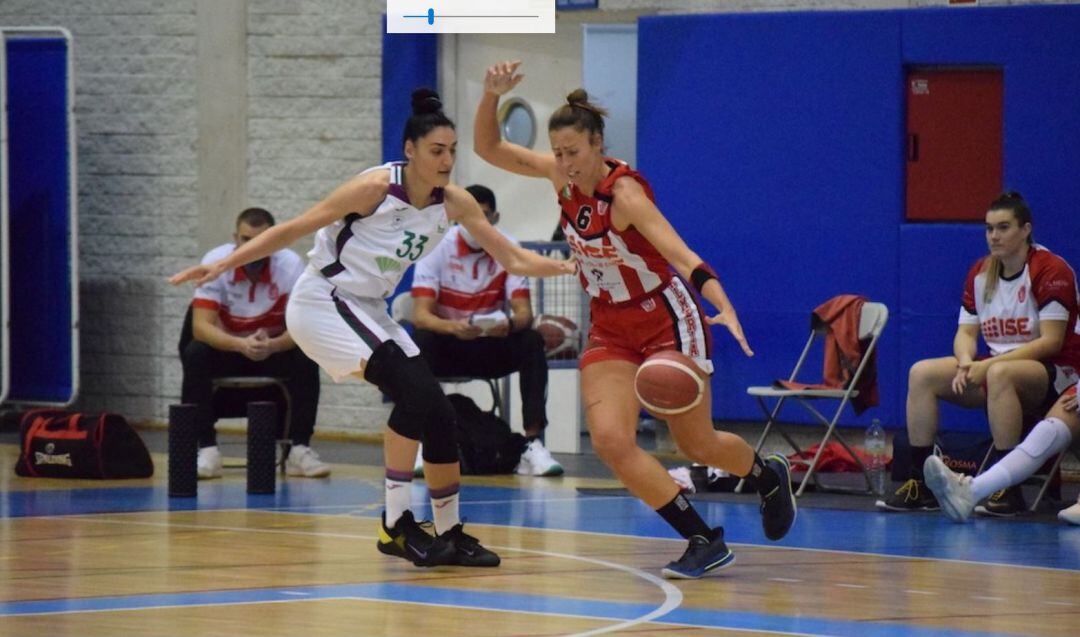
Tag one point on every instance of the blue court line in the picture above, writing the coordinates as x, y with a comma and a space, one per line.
489, 601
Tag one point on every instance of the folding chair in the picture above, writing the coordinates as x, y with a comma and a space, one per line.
872, 321
401, 311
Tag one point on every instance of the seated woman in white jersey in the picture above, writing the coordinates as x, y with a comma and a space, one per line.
1022, 298
371, 229
626, 251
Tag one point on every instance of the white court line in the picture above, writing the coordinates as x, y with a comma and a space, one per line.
914, 591
987, 598
673, 597
1053, 602
852, 586
287, 510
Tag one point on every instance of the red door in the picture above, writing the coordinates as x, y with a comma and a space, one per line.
954, 143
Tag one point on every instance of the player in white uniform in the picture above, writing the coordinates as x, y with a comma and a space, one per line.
370, 230
1022, 298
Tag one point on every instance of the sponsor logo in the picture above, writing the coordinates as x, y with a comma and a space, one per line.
601, 208
999, 327
1021, 294
648, 305
50, 458
397, 222
690, 318
274, 292
421, 554
386, 264
586, 251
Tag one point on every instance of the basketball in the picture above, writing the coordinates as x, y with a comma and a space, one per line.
669, 383
562, 338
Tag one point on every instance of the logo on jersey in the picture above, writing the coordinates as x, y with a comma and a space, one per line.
601, 208
386, 264
648, 305
274, 292
440, 227
1021, 294
397, 222
994, 328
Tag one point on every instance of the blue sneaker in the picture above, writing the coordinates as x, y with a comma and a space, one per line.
778, 508
702, 556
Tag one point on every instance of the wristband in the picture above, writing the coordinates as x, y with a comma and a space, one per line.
702, 274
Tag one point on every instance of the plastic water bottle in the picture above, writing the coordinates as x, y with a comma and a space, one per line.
875, 450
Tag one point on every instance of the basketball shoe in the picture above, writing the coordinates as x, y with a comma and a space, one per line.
467, 549
1004, 503
536, 460
702, 555
778, 508
911, 496
408, 540
952, 490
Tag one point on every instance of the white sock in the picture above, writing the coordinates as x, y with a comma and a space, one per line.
1050, 437
446, 513
398, 500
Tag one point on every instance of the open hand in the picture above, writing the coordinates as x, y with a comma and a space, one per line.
731, 321
200, 274
500, 79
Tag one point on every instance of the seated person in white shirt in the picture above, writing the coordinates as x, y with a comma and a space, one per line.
238, 329
460, 296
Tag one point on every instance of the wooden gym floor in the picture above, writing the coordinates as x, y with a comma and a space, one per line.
120, 558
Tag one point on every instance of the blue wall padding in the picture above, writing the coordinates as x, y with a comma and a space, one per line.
40, 224
409, 61
775, 145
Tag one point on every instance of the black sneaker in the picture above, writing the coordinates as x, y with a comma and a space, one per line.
913, 495
467, 549
1004, 504
410, 541
701, 556
778, 507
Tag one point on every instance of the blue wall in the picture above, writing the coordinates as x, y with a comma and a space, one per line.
789, 153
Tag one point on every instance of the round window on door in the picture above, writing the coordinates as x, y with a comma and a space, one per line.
518, 122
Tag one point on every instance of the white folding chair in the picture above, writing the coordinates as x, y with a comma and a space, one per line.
872, 321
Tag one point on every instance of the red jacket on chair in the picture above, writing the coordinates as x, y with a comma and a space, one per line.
843, 351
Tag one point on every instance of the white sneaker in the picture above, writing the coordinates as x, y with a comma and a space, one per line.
1071, 514
418, 466
209, 463
537, 461
953, 490
303, 461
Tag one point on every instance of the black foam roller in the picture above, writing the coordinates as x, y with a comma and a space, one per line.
183, 451
262, 435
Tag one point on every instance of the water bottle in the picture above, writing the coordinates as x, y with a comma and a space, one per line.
875, 451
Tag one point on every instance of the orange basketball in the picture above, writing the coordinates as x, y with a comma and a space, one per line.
669, 383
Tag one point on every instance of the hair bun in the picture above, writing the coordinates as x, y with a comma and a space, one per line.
578, 97
1014, 194
425, 100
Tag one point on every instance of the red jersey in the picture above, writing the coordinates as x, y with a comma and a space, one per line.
614, 266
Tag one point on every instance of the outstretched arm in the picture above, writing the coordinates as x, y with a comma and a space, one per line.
488, 142
360, 194
461, 207
632, 205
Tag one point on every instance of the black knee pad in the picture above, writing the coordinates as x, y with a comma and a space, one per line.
421, 409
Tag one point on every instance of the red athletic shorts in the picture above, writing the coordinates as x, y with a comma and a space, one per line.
670, 318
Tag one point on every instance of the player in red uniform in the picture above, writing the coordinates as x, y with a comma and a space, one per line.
1022, 298
626, 251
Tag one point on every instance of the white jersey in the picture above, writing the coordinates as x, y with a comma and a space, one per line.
1044, 290
243, 305
464, 280
367, 256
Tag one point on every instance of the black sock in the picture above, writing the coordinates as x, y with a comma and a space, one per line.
762, 477
918, 459
682, 517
